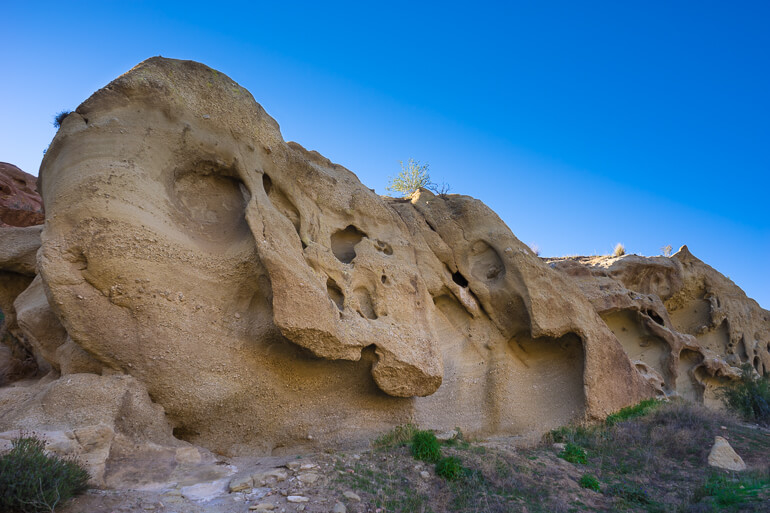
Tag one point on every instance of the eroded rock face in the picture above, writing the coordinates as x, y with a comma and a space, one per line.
20, 204
684, 325
268, 299
269, 302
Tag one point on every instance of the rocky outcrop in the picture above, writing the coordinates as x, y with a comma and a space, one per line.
685, 326
20, 204
268, 302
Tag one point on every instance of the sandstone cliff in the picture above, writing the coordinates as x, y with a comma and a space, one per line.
254, 297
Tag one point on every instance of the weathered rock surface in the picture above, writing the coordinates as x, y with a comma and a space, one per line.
687, 328
268, 302
723, 456
20, 204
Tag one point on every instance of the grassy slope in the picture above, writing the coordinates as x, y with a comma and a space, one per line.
650, 458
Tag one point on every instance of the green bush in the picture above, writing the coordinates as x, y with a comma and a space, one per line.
32, 481
632, 412
425, 447
749, 396
574, 454
58, 119
590, 482
450, 467
412, 177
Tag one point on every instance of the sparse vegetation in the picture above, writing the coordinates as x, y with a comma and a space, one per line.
666, 250
58, 119
449, 467
589, 481
632, 412
398, 436
619, 250
650, 457
749, 396
425, 447
32, 481
574, 454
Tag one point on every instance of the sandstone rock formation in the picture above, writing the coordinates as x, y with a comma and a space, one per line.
20, 204
266, 301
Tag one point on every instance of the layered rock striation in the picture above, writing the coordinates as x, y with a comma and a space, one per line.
264, 301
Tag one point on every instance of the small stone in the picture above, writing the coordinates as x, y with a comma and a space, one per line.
297, 498
559, 446
352, 496
301, 507
723, 456
308, 478
241, 483
307, 466
262, 506
448, 435
339, 508
425, 474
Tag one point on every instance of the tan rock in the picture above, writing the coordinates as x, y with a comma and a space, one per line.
723, 456
270, 303
241, 483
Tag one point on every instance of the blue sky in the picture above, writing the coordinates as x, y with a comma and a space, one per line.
582, 124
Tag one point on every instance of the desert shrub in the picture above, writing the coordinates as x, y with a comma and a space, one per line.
397, 437
589, 481
413, 175
449, 467
32, 481
425, 447
619, 250
574, 454
58, 119
632, 412
749, 396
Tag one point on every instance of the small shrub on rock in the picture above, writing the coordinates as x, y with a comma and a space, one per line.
632, 412
449, 467
32, 481
425, 447
58, 119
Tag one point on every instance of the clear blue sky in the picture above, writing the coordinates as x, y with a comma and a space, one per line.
582, 124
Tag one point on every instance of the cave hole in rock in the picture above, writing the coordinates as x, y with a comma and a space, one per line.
344, 243
383, 247
459, 279
185, 434
335, 293
210, 201
655, 317
384, 279
758, 365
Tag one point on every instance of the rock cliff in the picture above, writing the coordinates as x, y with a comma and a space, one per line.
254, 297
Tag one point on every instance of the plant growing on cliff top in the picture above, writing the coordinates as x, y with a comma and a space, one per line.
59, 118
619, 250
412, 177
32, 481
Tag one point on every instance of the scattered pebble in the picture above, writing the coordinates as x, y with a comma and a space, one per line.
352, 496
339, 508
297, 498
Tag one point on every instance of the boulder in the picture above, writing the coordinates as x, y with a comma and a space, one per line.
723, 456
20, 203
